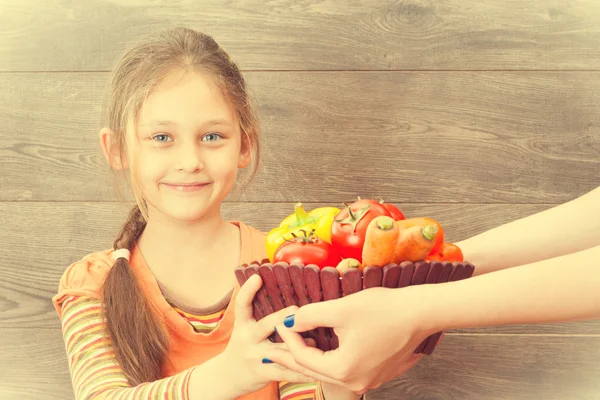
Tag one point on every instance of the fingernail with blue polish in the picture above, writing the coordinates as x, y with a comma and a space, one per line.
266, 361
289, 321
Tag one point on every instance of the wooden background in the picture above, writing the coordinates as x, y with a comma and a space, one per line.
474, 113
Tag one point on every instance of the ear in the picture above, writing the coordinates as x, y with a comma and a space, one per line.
114, 159
244, 160
245, 155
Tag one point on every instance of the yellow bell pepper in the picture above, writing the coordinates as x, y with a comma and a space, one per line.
318, 220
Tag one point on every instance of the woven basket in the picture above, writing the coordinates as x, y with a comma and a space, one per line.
287, 285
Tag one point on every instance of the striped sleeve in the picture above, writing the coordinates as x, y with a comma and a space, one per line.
94, 370
319, 392
297, 391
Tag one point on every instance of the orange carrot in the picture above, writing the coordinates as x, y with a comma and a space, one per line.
423, 221
380, 241
347, 263
415, 243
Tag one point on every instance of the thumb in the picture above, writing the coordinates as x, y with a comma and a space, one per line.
244, 298
327, 314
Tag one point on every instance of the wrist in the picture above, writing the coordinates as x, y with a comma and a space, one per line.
226, 371
449, 308
477, 255
206, 381
428, 304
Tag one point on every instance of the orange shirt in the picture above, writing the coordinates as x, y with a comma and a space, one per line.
187, 348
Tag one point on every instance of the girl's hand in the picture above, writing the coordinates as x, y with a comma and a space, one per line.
378, 331
249, 346
337, 392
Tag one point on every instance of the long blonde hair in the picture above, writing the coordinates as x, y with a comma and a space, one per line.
138, 337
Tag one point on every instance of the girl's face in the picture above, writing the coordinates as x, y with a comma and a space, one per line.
189, 148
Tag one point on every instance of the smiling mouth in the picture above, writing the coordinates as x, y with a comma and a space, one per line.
186, 187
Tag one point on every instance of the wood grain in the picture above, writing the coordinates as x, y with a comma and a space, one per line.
473, 113
64, 232
34, 365
500, 368
463, 367
409, 137
312, 34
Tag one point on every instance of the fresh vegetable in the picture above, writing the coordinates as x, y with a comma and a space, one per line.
449, 252
415, 243
348, 263
392, 210
319, 220
350, 225
423, 221
307, 249
381, 239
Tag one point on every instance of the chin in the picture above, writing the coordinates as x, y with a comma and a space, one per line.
184, 211
188, 214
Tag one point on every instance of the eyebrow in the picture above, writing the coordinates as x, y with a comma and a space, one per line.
216, 121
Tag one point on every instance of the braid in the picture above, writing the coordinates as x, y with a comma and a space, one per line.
138, 338
133, 228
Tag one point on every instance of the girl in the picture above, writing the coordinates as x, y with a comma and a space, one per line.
558, 254
154, 317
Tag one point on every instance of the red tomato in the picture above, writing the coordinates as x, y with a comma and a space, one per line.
307, 250
349, 228
394, 211
449, 252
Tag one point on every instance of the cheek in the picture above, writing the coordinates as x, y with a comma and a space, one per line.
225, 165
222, 172
150, 168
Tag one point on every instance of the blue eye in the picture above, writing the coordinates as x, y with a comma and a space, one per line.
161, 137
211, 137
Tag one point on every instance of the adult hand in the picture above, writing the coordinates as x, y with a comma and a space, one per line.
378, 330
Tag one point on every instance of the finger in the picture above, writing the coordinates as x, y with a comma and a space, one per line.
441, 338
307, 341
284, 359
393, 371
283, 346
279, 373
312, 358
315, 315
266, 326
409, 363
396, 369
363, 391
243, 301
414, 358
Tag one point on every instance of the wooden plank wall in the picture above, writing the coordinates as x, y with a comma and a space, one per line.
474, 113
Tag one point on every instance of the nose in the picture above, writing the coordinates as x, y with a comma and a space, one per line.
189, 158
